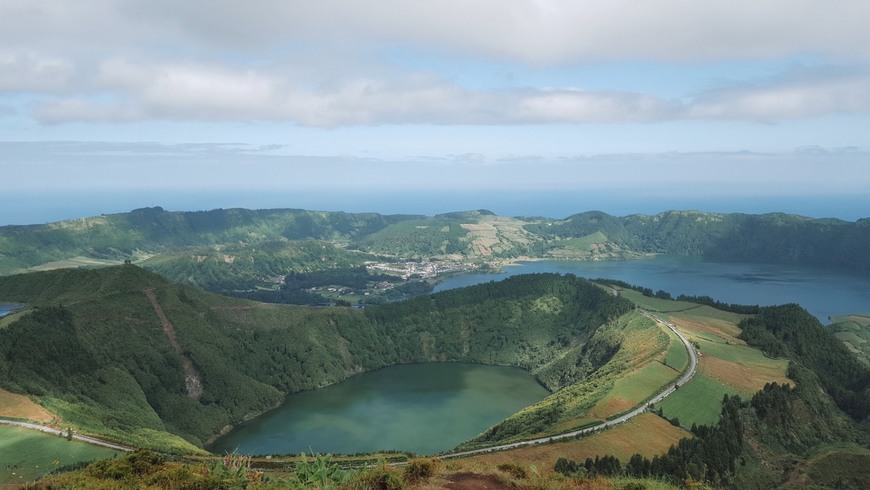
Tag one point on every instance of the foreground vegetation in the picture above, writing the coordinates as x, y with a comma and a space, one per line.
26, 455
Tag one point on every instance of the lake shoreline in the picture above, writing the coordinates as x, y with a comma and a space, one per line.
270, 422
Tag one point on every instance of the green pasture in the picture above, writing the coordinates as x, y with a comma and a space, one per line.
676, 357
854, 332
26, 454
697, 402
637, 386
740, 354
706, 313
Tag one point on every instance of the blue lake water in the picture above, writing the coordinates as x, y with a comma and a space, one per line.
823, 292
7, 308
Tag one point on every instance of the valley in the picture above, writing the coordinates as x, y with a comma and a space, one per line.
150, 362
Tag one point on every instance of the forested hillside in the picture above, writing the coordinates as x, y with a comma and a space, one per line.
243, 250
95, 346
811, 432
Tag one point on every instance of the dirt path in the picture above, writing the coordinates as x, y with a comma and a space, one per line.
59, 432
192, 380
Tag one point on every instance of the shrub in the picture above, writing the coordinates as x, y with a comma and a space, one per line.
419, 470
514, 470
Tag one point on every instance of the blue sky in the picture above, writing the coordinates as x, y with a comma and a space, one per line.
764, 101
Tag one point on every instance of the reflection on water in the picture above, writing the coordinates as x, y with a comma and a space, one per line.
424, 408
823, 292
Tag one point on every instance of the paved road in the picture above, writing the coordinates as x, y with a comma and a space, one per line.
59, 432
687, 375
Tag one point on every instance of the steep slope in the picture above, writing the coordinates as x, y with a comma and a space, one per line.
132, 356
148, 231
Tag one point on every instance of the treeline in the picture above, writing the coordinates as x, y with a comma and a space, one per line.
105, 364
709, 456
785, 423
702, 300
790, 331
280, 296
648, 292
719, 305
352, 277
296, 288
826, 405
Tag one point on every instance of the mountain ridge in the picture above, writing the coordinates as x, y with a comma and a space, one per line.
240, 249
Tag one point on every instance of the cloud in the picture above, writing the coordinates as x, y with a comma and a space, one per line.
211, 92
532, 31
124, 91
22, 71
328, 63
528, 31
797, 94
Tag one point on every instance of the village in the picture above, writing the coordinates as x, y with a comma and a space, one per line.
419, 270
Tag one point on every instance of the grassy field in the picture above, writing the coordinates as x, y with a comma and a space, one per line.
676, 356
726, 364
647, 434
728, 359
634, 388
697, 402
854, 332
27, 454
21, 407
73, 262
656, 304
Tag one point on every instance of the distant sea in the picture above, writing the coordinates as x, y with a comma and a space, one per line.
40, 207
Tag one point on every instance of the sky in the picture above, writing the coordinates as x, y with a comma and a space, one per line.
519, 106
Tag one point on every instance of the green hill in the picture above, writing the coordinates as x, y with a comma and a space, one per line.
239, 249
124, 353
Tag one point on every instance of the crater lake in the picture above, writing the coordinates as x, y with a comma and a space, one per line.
424, 408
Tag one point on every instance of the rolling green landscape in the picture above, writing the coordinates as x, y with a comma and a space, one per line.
251, 252
146, 354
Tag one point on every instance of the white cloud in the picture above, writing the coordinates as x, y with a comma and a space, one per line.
795, 95
196, 91
535, 31
22, 71
326, 63
126, 91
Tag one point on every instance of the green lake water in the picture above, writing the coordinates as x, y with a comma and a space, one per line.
424, 408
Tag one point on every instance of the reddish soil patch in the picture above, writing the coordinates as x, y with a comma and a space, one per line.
613, 406
743, 378
21, 407
724, 333
473, 481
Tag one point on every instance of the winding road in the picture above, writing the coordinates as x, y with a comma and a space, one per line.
687, 375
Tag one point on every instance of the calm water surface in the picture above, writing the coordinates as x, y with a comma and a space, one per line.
424, 408
822, 292
7, 308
